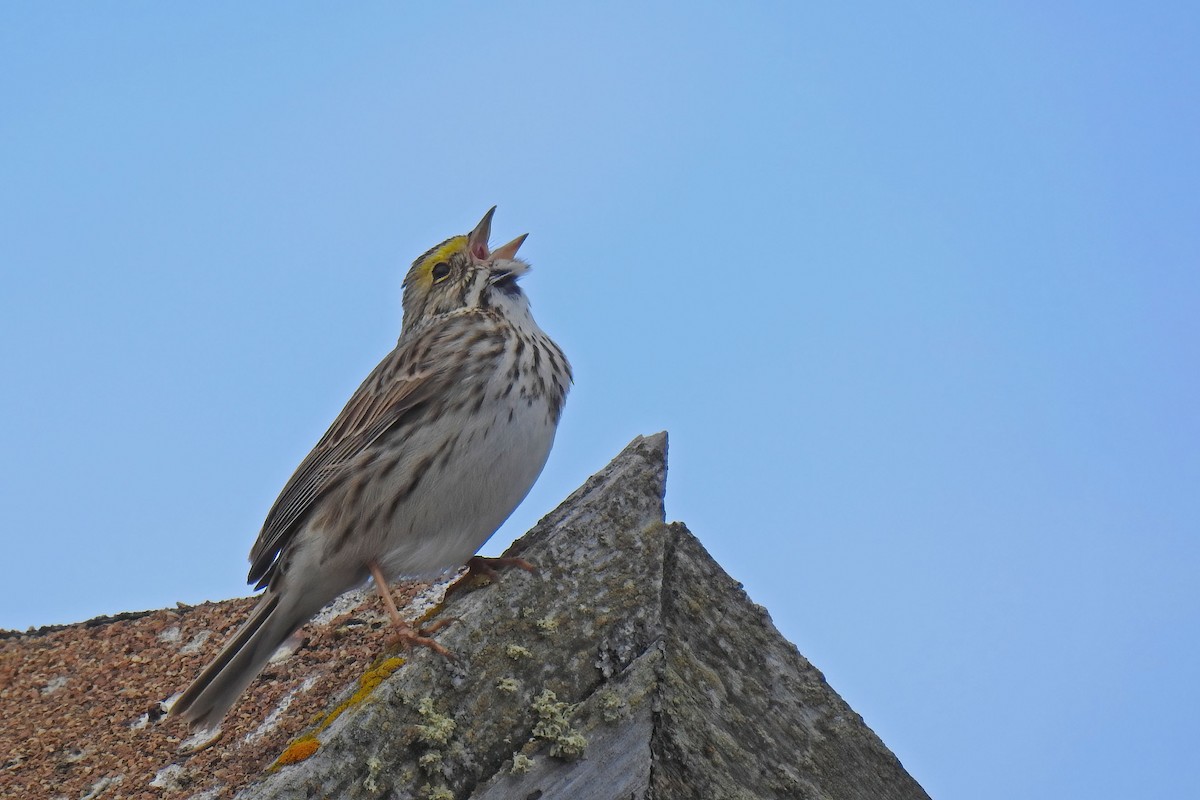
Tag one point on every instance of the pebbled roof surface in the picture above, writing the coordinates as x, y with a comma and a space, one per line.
82, 706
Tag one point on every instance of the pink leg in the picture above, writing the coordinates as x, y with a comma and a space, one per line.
405, 634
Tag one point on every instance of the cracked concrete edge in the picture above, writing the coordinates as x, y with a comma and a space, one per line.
641, 468
741, 713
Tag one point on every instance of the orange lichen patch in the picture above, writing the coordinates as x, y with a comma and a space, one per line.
307, 744
297, 751
80, 704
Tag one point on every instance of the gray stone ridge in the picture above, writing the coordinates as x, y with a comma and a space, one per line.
629, 666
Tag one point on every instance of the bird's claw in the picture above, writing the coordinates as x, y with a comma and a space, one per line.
482, 570
408, 637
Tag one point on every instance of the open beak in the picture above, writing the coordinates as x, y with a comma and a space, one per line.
477, 241
507, 251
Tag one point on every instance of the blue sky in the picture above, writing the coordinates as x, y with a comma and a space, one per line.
915, 292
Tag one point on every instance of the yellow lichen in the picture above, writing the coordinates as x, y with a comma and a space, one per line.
374, 767
521, 764
515, 652
547, 626
430, 761
307, 744
554, 726
508, 685
437, 727
367, 683
437, 792
569, 747
612, 706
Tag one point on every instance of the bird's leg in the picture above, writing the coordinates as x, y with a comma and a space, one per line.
405, 634
486, 568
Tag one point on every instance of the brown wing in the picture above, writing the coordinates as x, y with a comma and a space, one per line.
381, 402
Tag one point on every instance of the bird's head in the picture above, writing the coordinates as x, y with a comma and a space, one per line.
462, 272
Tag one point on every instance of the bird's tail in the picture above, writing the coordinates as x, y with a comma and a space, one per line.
204, 703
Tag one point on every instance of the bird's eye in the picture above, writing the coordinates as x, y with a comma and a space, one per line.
441, 271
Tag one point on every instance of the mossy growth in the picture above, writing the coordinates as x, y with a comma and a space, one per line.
554, 726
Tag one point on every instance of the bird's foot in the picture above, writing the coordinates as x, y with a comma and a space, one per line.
482, 570
406, 636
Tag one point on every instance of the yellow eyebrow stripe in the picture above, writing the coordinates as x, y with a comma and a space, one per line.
423, 266
446, 249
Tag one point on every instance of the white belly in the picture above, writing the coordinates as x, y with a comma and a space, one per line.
467, 500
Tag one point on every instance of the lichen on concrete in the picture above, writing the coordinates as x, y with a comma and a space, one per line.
516, 651
554, 726
306, 745
435, 728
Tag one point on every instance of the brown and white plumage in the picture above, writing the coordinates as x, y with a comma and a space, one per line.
429, 456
